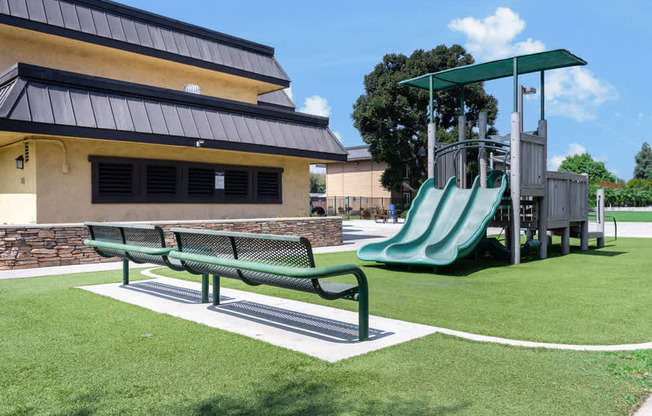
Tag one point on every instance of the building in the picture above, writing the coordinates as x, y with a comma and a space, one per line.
110, 113
356, 182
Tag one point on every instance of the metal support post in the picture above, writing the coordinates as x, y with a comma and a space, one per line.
515, 188
204, 288
216, 290
125, 272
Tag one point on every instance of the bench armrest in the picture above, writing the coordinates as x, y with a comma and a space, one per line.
159, 251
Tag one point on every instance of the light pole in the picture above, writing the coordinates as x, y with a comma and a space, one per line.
523, 91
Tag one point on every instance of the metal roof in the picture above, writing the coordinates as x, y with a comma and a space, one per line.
46, 101
502, 68
115, 25
277, 98
358, 152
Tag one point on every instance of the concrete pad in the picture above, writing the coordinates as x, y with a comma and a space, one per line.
323, 332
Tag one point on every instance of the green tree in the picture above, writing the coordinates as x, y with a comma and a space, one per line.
643, 159
584, 163
317, 183
392, 118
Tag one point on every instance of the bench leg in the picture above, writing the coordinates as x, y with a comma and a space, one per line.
363, 312
216, 290
204, 288
125, 272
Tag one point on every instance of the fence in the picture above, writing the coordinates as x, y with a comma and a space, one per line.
353, 205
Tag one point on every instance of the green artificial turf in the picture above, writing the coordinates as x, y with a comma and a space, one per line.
66, 351
629, 216
581, 298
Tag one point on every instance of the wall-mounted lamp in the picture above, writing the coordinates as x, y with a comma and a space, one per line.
198, 143
20, 162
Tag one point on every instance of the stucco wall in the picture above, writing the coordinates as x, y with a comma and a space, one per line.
66, 197
356, 178
17, 187
21, 45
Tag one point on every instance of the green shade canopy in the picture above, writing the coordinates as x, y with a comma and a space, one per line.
502, 68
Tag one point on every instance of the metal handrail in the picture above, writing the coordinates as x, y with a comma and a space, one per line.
485, 144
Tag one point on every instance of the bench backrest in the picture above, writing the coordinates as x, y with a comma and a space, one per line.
277, 250
150, 236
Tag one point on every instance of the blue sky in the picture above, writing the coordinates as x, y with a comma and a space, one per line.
328, 47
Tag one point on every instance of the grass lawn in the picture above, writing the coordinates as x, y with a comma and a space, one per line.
630, 216
70, 352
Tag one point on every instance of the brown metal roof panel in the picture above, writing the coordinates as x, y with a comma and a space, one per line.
187, 122
172, 120
168, 38
115, 25
229, 127
20, 110
182, 46
61, 106
242, 129
4, 7
85, 20
37, 11
281, 139
53, 12
129, 27
256, 135
265, 130
157, 37
41, 110
101, 23
102, 109
290, 136
83, 109
201, 121
193, 47
70, 18
204, 50
216, 125
139, 115
216, 53
143, 34
121, 113
18, 8
156, 118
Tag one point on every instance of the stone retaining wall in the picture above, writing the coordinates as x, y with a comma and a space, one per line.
28, 246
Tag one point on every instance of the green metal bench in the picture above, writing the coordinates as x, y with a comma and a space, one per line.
137, 243
260, 259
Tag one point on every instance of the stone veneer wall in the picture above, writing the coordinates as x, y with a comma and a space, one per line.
28, 246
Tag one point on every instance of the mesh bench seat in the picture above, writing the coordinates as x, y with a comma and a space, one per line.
130, 242
274, 260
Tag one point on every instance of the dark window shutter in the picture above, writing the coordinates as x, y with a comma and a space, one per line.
268, 185
115, 179
161, 180
201, 182
236, 183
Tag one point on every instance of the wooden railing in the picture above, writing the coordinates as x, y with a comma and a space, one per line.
567, 198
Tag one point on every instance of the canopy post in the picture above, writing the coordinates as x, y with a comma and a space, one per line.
543, 96
432, 136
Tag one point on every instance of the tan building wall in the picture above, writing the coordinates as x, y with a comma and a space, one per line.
66, 197
21, 45
17, 187
356, 178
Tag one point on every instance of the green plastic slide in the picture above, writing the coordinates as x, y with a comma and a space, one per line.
441, 226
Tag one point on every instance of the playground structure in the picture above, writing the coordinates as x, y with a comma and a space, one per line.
445, 222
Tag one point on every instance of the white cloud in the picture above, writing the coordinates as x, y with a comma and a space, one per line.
573, 149
288, 91
640, 116
492, 38
572, 92
317, 106
338, 135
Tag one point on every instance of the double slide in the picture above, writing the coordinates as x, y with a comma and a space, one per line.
441, 226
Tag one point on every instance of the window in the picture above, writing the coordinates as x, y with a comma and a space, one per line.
123, 180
